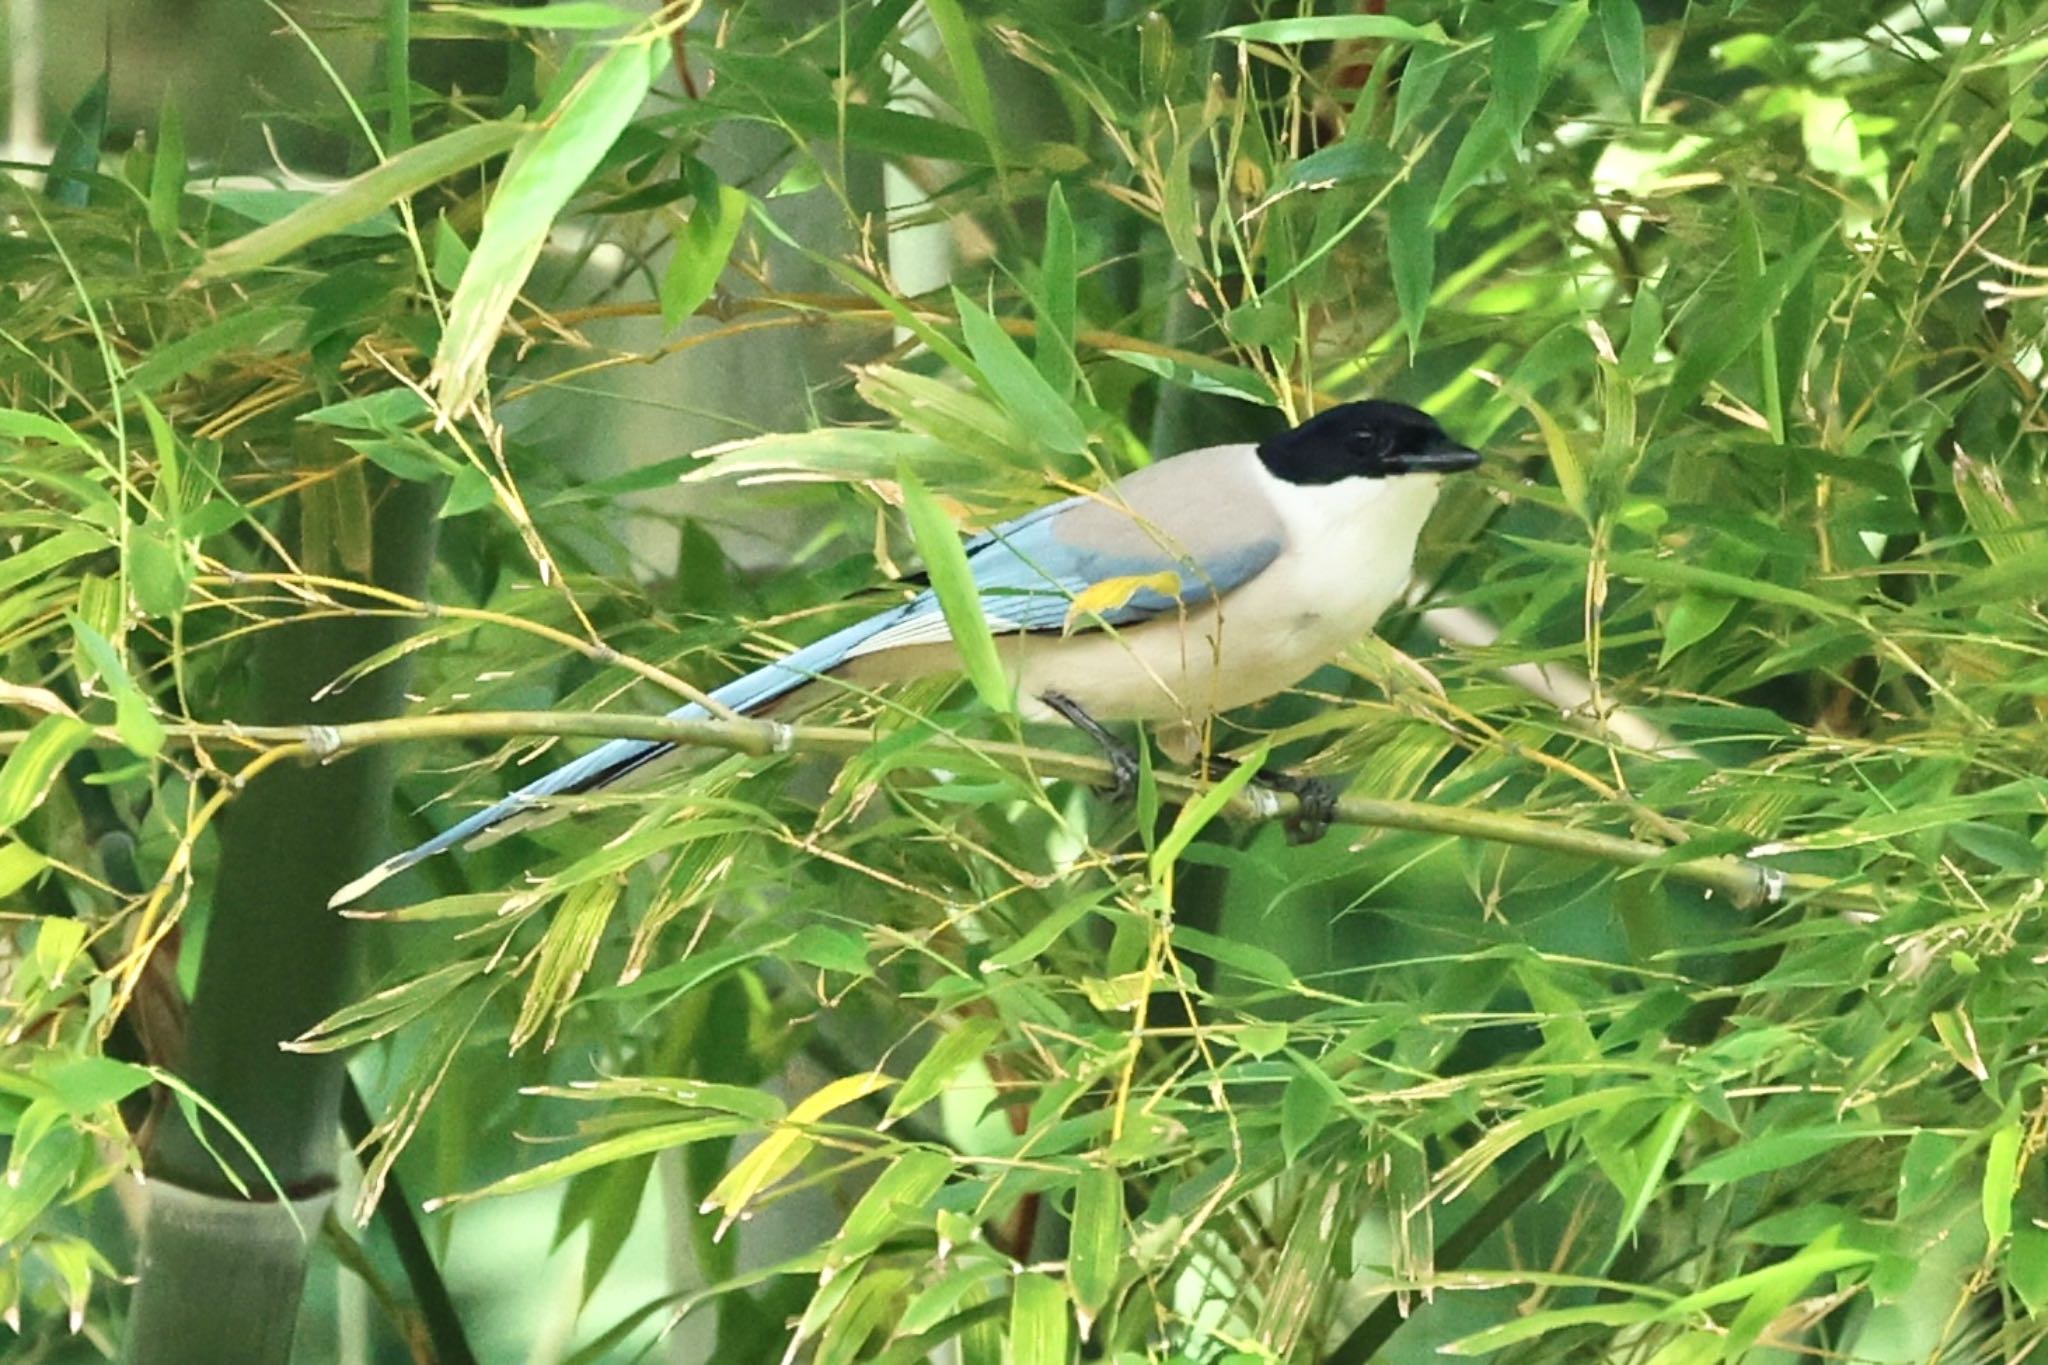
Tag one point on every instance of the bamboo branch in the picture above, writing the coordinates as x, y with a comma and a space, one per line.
1748, 883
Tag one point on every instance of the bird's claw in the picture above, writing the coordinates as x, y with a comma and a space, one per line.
1123, 774
1123, 759
1317, 810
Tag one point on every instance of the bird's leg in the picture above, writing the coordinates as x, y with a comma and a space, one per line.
1318, 798
1123, 759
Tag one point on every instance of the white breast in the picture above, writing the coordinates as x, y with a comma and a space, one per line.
1350, 550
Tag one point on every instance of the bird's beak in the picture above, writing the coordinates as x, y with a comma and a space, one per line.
1448, 458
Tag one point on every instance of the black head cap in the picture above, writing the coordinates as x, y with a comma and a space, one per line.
1371, 440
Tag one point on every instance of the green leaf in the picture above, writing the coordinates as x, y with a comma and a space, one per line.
84, 1084
376, 1015
937, 1303
1260, 964
2006, 849
469, 491
331, 211
140, 730
557, 14
1054, 300
1306, 1108
1777, 1284
696, 969
1038, 1321
1196, 814
1768, 1152
1490, 138
2001, 1179
900, 1197
26, 777
836, 950
37, 1175
1653, 1155
267, 330
58, 945
1016, 383
1715, 342
660, 1137
76, 159
1540, 1324
2026, 1266
1694, 617
1517, 78
1095, 1242
945, 563
19, 865
1411, 253
1226, 381
702, 249
1043, 933
1621, 28
1335, 28
167, 173
970, 81
451, 254
938, 1068
1262, 1039
565, 954
550, 164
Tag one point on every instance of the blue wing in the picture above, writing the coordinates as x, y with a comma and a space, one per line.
1030, 572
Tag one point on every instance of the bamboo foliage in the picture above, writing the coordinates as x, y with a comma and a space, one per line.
1570, 1044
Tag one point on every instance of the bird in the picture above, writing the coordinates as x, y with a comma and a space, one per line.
1192, 586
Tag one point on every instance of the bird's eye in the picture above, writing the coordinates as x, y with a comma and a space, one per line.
1372, 444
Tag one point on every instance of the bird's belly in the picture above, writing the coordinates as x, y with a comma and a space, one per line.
1186, 668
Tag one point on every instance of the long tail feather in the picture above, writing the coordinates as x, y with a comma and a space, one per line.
614, 760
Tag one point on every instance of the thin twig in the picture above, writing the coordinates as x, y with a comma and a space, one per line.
1747, 883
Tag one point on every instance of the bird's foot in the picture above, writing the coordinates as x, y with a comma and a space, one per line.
1317, 798
1124, 766
1318, 805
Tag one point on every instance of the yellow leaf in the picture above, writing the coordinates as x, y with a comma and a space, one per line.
786, 1145
1109, 594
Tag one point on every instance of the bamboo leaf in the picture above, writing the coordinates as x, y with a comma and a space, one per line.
970, 81
134, 718
900, 1197
660, 1137
1042, 934
952, 1054
1621, 29
551, 164
702, 249
1054, 300
1335, 28
1017, 384
1039, 1331
945, 563
352, 201
1542, 1324
785, 1146
26, 777
167, 173
1196, 814
2001, 1180
19, 865
1095, 1242
566, 952
389, 1009
1411, 253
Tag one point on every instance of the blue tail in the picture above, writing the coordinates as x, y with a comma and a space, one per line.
616, 758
